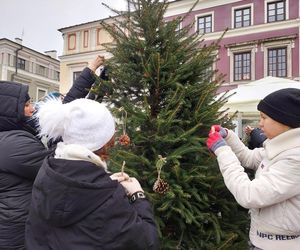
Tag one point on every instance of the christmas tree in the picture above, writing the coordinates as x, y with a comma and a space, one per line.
164, 90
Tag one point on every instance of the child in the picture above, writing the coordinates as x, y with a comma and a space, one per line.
273, 197
76, 203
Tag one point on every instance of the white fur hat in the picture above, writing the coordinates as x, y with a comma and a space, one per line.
82, 121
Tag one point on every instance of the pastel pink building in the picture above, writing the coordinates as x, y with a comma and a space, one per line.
262, 38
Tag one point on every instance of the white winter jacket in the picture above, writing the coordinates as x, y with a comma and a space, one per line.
273, 197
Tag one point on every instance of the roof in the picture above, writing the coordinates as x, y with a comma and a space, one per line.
76, 25
246, 97
21, 45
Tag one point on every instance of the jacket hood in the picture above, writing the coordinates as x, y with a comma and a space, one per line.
66, 191
13, 97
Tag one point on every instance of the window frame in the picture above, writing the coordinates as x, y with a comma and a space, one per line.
203, 15
179, 27
41, 70
277, 63
233, 9
286, 6
56, 75
37, 93
289, 44
19, 60
231, 51
242, 53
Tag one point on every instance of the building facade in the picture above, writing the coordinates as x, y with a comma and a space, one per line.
262, 38
22, 64
82, 43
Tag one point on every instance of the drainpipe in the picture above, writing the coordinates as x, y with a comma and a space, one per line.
16, 63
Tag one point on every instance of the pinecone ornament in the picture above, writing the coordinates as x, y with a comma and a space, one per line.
146, 74
160, 186
124, 140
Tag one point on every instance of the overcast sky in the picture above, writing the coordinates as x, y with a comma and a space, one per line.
39, 20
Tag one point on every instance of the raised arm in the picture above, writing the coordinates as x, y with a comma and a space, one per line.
84, 82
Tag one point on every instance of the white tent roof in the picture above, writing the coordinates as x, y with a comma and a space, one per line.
247, 96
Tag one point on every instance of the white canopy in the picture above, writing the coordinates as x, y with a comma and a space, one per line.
247, 96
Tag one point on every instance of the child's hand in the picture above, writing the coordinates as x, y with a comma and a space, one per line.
217, 128
215, 139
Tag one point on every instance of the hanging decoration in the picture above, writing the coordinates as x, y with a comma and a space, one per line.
124, 139
160, 186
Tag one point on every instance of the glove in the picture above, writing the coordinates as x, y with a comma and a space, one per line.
214, 141
131, 186
223, 131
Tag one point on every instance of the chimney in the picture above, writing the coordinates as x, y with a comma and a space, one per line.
51, 53
18, 40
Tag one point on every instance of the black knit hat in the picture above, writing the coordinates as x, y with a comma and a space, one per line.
282, 106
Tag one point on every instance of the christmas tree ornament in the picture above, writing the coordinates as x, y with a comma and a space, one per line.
124, 139
146, 74
160, 186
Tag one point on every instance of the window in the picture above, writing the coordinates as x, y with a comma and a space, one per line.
76, 75
242, 66
41, 93
204, 24
56, 75
242, 62
179, 27
277, 62
40, 70
276, 11
21, 63
9, 60
278, 57
242, 17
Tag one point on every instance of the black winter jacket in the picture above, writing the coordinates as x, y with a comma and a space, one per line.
256, 138
81, 87
21, 156
75, 205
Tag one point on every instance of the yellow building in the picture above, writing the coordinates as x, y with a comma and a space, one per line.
82, 43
